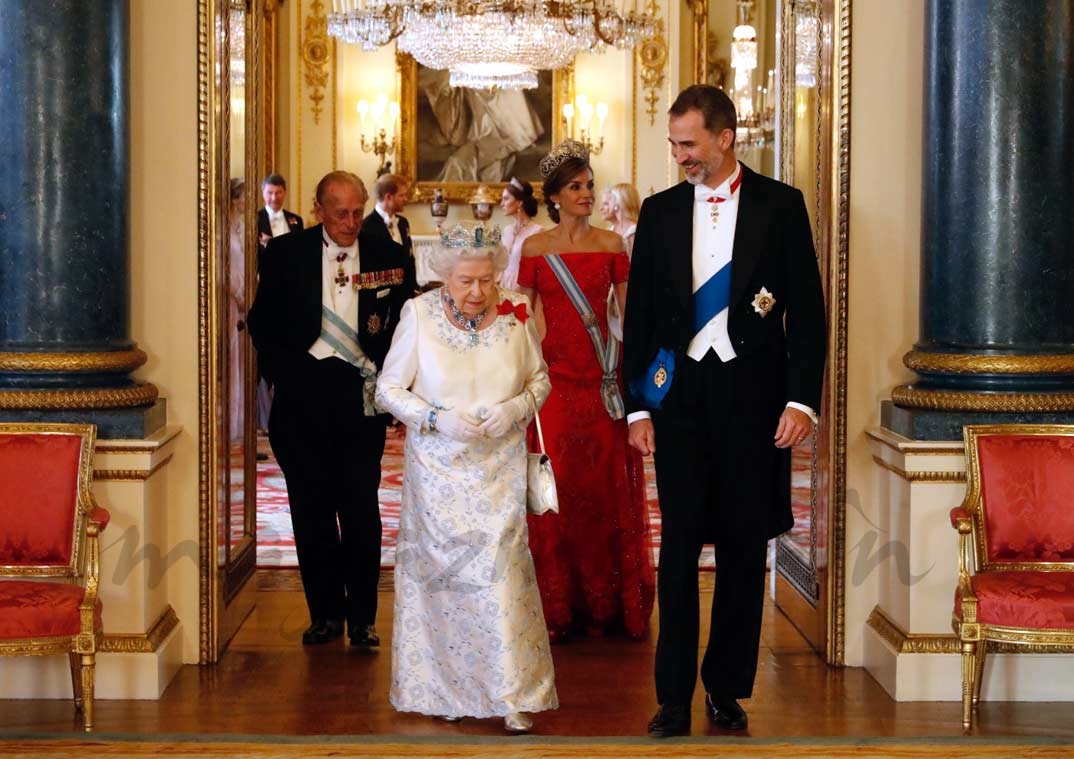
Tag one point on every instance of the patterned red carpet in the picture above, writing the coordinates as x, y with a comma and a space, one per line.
275, 542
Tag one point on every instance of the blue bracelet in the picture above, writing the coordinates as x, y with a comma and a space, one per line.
430, 420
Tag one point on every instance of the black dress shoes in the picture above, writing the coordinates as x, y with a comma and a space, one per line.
322, 631
670, 720
365, 636
726, 713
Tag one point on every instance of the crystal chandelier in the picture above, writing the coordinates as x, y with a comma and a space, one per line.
806, 44
755, 107
488, 44
744, 57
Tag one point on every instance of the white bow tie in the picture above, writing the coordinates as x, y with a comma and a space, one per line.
275, 215
704, 194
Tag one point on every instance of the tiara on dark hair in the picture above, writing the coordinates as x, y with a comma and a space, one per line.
560, 153
469, 235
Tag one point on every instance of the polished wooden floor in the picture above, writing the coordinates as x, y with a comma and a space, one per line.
269, 684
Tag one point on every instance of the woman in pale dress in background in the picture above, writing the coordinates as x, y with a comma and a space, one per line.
465, 374
236, 288
517, 202
621, 205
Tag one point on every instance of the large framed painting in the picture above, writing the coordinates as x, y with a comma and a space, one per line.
457, 138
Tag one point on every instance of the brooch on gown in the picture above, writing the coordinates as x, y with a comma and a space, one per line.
763, 302
517, 309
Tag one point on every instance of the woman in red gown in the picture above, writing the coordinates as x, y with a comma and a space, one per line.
594, 565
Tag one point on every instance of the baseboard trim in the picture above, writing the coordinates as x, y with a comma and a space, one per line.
141, 643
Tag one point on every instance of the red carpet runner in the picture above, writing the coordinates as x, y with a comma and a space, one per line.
275, 542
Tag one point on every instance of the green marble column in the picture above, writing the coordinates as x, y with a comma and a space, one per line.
65, 347
997, 254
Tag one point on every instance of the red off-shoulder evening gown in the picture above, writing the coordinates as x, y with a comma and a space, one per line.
594, 565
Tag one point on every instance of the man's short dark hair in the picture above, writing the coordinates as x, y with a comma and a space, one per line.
274, 179
389, 184
715, 106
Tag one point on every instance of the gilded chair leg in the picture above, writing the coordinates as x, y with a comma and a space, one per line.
969, 670
982, 651
76, 679
88, 661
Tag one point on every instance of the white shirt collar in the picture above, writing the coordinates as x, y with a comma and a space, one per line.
723, 189
273, 215
332, 249
388, 218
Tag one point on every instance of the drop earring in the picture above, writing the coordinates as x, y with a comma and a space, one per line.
557, 206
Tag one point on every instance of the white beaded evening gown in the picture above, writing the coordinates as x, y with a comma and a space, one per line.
469, 635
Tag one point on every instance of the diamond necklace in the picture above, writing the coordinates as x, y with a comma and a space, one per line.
470, 325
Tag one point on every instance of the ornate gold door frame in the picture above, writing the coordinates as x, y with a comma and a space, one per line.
813, 154
235, 103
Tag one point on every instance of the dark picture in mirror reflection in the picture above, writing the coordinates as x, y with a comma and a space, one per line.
467, 135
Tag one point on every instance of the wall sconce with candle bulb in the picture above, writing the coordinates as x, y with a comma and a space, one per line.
581, 113
383, 119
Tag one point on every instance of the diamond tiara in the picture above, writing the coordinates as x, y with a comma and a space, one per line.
560, 153
469, 236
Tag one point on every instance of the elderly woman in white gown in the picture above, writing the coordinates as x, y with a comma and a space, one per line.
465, 374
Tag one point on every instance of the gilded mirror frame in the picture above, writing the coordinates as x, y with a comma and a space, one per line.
827, 148
829, 211
225, 587
459, 192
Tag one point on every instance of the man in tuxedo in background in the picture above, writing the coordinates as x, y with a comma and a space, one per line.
726, 322
274, 220
385, 226
326, 307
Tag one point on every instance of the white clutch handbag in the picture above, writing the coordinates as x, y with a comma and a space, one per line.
541, 493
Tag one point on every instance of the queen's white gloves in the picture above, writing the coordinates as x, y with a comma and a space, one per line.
456, 426
503, 417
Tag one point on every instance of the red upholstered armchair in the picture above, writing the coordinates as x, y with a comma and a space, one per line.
1016, 529
49, 554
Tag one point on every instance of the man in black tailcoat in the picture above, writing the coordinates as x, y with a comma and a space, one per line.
723, 358
327, 304
385, 225
274, 220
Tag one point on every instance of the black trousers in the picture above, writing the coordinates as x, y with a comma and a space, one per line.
330, 455
714, 451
